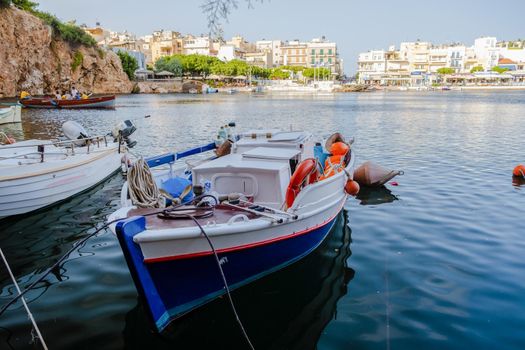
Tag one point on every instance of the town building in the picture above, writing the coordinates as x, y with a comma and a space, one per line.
422, 63
274, 48
323, 53
294, 53
200, 45
165, 43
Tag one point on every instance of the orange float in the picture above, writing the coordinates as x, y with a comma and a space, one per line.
352, 187
519, 171
306, 172
335, 163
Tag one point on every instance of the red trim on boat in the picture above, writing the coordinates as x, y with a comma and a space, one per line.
241, 247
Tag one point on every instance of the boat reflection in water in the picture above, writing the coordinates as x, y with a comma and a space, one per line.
375, 195
285, 310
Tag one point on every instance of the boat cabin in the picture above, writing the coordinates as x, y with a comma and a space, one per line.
261, 173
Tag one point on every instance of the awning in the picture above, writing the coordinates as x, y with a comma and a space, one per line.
164, 73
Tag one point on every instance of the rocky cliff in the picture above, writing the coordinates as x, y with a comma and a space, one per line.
32, 59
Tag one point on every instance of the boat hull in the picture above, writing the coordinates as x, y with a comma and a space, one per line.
50, 185
172, 288
10, 115
92, 102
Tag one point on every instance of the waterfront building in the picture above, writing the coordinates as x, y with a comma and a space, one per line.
274, 48
165, 43
323, 53
420, 63
294, 53
230, 52
261, 59
201, 45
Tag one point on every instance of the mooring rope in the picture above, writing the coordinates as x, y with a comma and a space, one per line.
79, 246
226, 286
143, 189
29, 314
85, 239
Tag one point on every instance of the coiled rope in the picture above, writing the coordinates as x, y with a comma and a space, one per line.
143, 189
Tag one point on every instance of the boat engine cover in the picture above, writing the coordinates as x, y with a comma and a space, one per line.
74, 131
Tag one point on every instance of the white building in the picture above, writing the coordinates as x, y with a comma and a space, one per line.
230, 52
274, 48
197, 45
322, 52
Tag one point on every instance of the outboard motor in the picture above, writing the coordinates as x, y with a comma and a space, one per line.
123, 131
74, 131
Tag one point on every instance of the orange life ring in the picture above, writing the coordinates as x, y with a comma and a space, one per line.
306, 171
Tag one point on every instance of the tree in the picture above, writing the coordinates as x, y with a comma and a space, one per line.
279, 74
499, 69
129, 64
171, 64
446, 71
320, 73
476, 69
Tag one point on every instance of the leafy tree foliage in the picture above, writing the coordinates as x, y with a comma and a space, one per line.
476, 69
499, 69
322, 73
446, 70
129, 64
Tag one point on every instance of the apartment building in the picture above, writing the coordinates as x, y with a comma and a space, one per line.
274, 48
165, 43
201, 45
322, 53
418, 63
294, 53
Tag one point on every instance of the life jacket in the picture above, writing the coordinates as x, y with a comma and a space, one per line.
336, 162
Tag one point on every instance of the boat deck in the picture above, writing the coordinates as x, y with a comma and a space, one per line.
221, 214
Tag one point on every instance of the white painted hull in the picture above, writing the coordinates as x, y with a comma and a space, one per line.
29, 187
10, 115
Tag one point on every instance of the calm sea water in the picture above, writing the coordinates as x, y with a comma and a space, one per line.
436, 262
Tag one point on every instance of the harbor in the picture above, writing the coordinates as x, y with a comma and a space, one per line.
437, 249
251, 175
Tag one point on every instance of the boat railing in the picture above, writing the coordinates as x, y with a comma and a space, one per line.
89, 143
171, 158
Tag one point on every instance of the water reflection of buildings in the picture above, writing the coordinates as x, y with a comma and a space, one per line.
285, 310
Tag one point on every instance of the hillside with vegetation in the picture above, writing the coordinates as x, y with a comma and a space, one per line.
40, 54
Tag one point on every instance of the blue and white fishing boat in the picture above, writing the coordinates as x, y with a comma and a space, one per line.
246, 213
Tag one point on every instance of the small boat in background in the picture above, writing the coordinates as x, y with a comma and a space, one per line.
37, 173
50, 102
11, 114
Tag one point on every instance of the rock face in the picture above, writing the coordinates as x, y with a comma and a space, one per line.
31, 59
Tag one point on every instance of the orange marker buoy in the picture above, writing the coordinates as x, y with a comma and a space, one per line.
519, 171
352, 187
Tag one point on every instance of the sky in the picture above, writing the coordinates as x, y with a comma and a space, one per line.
356, 26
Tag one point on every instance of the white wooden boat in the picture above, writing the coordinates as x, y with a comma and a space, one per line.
10, 114
264, 207
37, 173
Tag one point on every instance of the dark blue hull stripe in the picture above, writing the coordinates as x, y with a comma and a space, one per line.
173, 288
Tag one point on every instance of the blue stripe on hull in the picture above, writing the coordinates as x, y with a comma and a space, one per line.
172, 288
